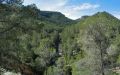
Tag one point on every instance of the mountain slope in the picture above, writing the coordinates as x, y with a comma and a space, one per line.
36, 42
97, 38
55, 17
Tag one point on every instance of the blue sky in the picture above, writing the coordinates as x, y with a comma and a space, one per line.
76, 8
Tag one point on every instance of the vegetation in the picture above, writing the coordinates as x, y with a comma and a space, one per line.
35, 42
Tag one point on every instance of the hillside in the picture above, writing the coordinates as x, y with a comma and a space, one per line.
55, 17
35, 42
98, 39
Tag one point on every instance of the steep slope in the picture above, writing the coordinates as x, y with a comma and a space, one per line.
100, 17
98, 37
49, 16
29, 43
31, 38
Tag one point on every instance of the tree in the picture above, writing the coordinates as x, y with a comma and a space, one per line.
95, 44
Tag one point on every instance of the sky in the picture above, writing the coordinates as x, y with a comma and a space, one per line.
75, 9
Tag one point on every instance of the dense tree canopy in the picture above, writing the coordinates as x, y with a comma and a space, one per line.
35, 42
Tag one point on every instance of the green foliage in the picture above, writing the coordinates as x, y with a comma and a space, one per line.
51, 44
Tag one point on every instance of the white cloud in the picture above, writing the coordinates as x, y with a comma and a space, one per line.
73, 12
86, 6
27, 2
48, 5
76, 11
116, 14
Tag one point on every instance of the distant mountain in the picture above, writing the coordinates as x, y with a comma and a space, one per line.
55, 17
100, 17
48, 16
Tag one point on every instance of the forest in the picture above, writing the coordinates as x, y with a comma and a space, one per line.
35, 42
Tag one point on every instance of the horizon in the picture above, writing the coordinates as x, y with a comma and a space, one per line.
76, 9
